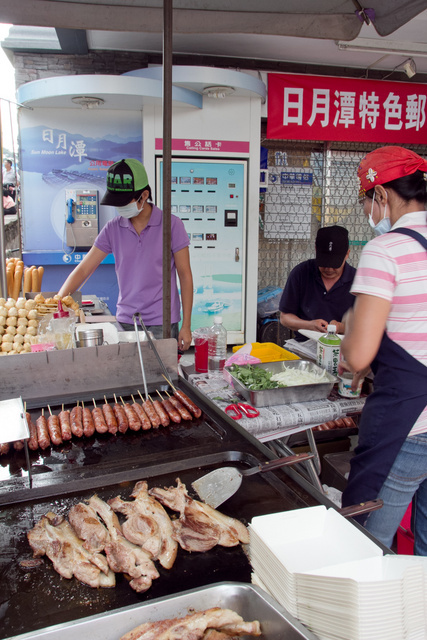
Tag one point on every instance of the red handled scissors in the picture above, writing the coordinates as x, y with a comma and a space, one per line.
241, 410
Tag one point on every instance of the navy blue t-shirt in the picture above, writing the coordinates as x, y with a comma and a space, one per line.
305, 294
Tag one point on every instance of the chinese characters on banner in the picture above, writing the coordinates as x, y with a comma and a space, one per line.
304, 107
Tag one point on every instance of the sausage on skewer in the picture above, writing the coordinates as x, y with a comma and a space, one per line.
185, 415
145, 421
119, 412
88, 423
160, 410
33, 443
98, 419
64, 423
170, 409
54, 428
174, 414
133, 420
185, 400
110, 418
76, 421
188, 404
147, 405
42, 431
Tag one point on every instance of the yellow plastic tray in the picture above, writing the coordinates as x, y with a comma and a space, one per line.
269, 352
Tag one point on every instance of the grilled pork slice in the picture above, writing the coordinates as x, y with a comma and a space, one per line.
88, 527
194, 626
54, 537
147, 525
122, 555
199, 527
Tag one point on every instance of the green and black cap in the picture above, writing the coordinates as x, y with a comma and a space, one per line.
126, 180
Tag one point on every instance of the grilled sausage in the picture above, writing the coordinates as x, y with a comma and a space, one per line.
172, 412
145, 421
188, 404
110, 418
88, 423
64, 423
349, 422
133, 420
76, 423
18, 445
33, 443
122, 421
185, 415
4, 448
160, 410
98, 419
147, 405
54, 429
42, 432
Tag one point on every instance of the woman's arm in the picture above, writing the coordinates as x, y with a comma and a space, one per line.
82, 272
182, 263
364, 326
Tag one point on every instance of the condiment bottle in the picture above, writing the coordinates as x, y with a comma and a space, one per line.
217, 346
328, 350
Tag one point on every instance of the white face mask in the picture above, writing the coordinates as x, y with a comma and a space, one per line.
129, 210
383, 226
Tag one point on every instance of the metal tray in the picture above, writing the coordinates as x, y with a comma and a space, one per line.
249, 601
286, 395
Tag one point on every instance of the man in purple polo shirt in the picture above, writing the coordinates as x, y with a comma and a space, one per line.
135, 238
317, 291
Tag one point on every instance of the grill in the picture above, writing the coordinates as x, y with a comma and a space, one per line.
35, 597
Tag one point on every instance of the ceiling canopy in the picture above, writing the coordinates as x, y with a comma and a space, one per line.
331, 19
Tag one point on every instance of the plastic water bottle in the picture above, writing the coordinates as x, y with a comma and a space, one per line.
217, 346
328, 350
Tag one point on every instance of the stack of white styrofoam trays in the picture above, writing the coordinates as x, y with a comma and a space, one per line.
331, 576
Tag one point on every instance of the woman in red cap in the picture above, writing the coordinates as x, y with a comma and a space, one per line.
387, 331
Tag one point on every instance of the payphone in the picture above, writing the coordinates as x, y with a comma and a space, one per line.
81, 217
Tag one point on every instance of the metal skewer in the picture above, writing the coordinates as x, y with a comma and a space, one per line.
138, 344
152, 345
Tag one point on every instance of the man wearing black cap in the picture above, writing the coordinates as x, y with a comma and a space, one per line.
317, 292
135, 238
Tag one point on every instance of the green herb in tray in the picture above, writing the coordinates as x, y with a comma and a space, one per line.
254, 378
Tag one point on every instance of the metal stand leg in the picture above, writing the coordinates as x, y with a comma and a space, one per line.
309, 468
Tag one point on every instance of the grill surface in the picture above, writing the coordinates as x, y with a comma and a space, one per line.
33, 598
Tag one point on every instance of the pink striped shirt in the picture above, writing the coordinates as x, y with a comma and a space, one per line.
394, 267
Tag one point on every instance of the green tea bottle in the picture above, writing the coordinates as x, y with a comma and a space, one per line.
328, 350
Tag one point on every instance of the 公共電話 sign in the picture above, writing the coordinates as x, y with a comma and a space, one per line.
345, 109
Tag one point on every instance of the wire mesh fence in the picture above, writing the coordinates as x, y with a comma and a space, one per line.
307, 186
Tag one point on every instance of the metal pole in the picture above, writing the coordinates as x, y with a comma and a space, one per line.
3, 280
167, 171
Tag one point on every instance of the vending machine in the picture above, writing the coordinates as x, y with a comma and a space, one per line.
210, 198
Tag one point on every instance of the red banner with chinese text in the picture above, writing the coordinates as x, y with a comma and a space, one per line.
327, 108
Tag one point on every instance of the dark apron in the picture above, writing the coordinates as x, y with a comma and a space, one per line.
390, 412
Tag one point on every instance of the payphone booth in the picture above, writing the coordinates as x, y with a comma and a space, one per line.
66, 152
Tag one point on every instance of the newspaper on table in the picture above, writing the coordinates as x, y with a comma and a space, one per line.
281, 420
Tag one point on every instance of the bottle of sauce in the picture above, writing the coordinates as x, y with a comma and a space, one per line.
328, 350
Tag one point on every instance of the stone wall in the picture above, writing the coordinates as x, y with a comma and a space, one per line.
36, 66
